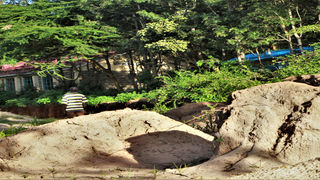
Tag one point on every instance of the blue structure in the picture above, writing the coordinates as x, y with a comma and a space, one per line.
271, 54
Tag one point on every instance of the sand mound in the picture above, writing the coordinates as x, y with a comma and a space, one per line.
268, 126
124, 138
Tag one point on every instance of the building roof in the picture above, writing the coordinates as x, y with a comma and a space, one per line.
271, 54
25, 67
21, 67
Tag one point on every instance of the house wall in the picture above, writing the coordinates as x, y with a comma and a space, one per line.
19, 82
36, 82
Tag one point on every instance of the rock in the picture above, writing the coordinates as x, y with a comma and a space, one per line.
268, 126
124, 138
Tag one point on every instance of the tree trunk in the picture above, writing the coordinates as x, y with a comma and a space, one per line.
296, 35
154, 64
241, 55
108, 72
288, 37
223, 51
160, 62
132, 71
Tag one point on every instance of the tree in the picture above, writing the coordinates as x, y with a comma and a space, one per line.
53, 30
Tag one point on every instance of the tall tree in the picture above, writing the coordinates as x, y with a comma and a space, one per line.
47, 30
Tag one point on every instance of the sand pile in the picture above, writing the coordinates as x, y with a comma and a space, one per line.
267, 126
124, 138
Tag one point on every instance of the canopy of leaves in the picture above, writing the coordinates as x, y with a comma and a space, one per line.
47, 30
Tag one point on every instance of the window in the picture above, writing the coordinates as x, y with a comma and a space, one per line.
1, 85
10, 84
27, 83
47, 83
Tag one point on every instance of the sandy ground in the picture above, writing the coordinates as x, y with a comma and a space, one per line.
305, 170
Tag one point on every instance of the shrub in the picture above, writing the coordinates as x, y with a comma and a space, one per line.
6, 95
18, 102
50, 96
299, 65
147, 81
125, 97
214, 85
11, 131
95, 100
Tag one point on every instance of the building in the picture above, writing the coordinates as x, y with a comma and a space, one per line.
22, 77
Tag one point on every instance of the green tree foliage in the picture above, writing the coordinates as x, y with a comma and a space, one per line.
307, 64
48, 30
152, 32
212, 85
190, 30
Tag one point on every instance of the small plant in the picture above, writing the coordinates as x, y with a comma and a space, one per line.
180, 167
2, 134
35, 121
155, 171
53, 172
219, 140
18, 102
208, 119
11, 131
45, 100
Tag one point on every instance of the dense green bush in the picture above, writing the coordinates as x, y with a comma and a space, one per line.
50, 96
32, 98
214, 82
212, 85
95, 100
299, 65
19, 102
125, 97
6, 95
148, 81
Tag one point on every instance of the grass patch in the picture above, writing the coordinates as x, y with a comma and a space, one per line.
19, 123
10, 122
36, 122
11, 131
